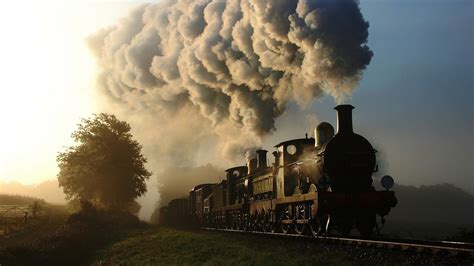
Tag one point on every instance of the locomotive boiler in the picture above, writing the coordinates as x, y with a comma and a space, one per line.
315, 185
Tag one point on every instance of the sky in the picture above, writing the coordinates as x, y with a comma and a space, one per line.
414, 103
48, 81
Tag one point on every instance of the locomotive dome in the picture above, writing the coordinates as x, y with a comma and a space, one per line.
323, 133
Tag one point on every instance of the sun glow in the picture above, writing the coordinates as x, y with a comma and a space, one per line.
47, 81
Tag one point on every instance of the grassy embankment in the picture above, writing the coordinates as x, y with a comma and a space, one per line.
21, 230
97, 237
167, 246
58, 237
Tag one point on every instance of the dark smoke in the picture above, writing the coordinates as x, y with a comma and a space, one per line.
229, 66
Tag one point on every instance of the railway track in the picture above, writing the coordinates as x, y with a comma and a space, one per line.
426, 246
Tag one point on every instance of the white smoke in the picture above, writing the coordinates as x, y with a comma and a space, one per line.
239, 62
232, 65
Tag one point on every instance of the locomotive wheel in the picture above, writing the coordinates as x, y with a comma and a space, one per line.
272, 228
285, 228
313, 226
264, 225
246, 223
259, 222
344, 227
253, 223
300, 229
339, 224
285, 215
267, 223
235, 222
240, 222
365, 224
328, 223
240, 226
262, 222
302, 212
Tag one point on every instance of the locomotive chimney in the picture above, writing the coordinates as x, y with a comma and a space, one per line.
344, 119
261, 159
252, 165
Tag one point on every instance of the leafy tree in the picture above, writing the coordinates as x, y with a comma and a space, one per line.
106, 167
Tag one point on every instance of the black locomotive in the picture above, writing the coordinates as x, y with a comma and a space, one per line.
314, 186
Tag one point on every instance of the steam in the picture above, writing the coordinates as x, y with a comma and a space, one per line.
239, 62
233, 65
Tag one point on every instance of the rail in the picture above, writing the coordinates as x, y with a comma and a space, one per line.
453, 248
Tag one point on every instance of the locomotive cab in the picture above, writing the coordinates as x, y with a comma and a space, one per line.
234, 189
295, 168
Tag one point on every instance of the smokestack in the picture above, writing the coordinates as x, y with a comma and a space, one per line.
261, 159
344, 119
252, 165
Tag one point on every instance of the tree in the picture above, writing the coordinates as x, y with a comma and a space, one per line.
106, 167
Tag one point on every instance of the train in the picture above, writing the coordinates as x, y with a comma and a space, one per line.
319, 186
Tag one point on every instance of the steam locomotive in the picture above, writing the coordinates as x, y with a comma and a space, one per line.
315, 186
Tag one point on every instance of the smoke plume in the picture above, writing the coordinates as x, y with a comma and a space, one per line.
229, 66
238, 62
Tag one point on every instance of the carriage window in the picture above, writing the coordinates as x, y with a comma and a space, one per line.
291, 149
236, 173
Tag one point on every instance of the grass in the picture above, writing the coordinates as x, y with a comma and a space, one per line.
37, 227
165, 246
63, 239
48, 217
116, 239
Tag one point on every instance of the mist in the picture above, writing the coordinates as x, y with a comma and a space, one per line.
48, 190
